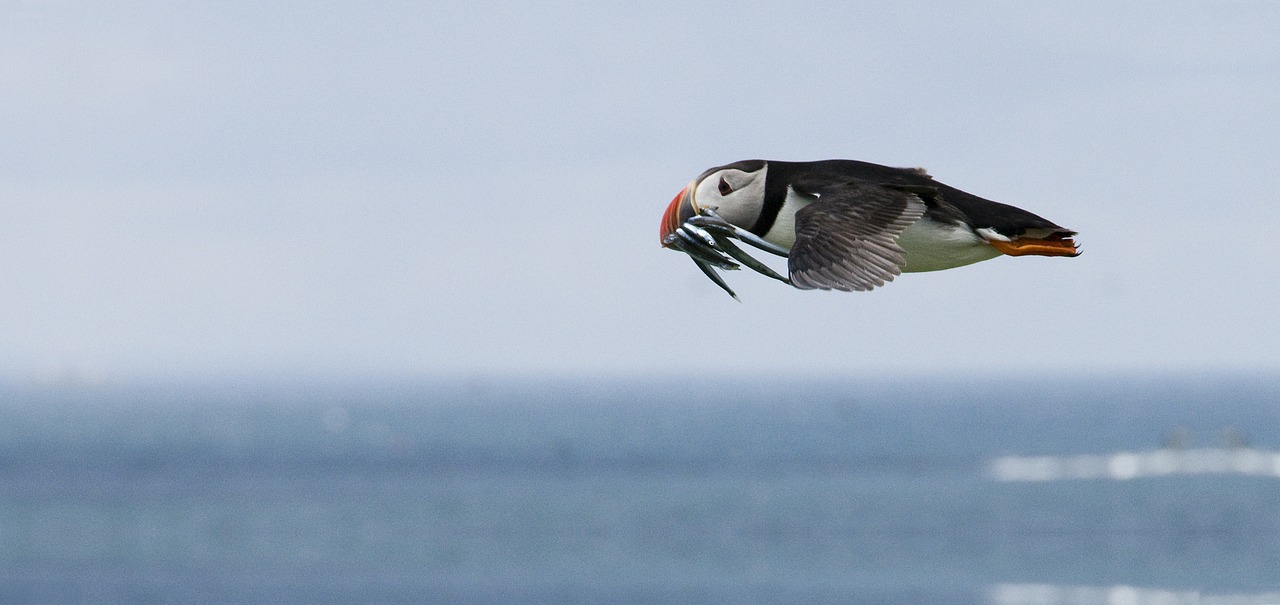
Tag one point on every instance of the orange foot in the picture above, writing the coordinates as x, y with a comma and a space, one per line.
1054, 245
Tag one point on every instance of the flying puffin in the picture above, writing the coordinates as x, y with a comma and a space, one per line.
846, 225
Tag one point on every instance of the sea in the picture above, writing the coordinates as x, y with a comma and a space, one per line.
1013, 490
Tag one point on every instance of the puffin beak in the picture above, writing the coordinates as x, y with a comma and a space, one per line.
680, 210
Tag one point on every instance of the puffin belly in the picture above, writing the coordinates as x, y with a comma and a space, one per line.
933, 246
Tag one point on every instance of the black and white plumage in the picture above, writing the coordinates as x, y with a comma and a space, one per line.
847, 225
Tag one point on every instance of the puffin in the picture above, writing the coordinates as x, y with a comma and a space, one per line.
846, 225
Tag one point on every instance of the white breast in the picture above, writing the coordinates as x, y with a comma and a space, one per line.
783, 231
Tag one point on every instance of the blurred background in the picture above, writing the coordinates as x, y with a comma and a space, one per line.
338, 301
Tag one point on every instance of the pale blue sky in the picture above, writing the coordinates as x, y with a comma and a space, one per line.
213, 189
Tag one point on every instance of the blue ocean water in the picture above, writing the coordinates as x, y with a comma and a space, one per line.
493, 491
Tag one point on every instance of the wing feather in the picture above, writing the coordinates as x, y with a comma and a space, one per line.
848, 238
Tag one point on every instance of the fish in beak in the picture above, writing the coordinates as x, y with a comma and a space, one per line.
704, 236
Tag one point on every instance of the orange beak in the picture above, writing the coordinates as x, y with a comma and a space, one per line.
680, 210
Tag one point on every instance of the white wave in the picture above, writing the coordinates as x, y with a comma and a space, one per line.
1055, 594
1131, 465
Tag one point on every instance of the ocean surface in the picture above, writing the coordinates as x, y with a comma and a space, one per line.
1075, 491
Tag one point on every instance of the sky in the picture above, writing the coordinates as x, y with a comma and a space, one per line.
217, 189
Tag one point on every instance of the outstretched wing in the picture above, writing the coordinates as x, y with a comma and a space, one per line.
847, 239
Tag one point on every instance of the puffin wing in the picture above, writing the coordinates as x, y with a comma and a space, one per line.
847, 239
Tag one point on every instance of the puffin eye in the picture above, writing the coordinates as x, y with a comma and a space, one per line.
725, 188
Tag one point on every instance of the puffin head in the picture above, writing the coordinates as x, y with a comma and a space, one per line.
735, 191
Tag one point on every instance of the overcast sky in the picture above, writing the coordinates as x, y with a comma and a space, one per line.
425, 188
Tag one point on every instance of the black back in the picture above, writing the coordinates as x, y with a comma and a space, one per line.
944, 201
